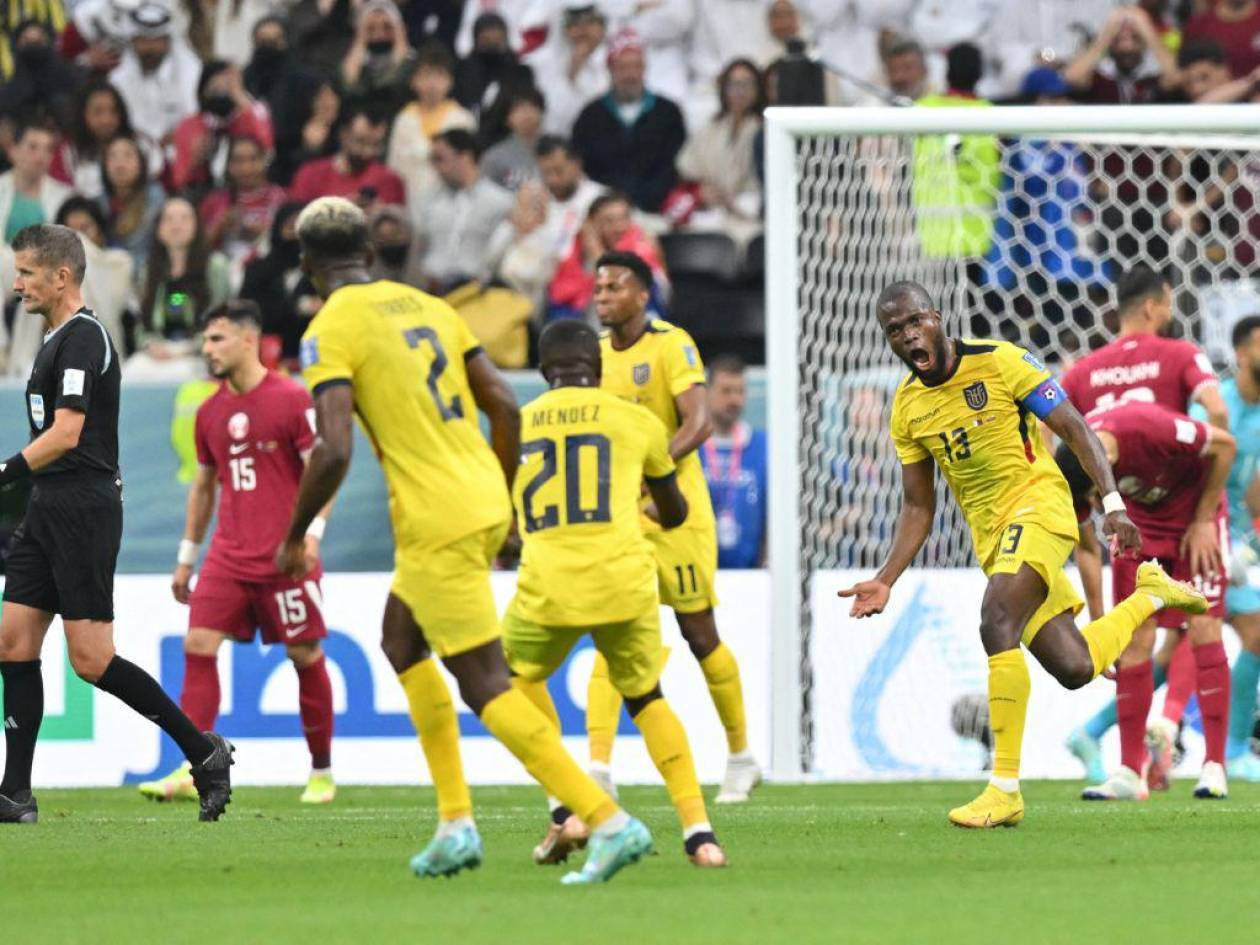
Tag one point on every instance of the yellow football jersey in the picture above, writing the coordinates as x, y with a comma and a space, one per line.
980, 425
404, 353
654, 370
584, 456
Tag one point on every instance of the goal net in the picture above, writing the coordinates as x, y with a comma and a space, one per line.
1018, 221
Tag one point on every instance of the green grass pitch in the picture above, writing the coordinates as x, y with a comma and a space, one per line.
824, 863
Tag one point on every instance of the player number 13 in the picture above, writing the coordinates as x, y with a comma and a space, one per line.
957, 446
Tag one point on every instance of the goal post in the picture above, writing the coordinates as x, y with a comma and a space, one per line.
1018, 220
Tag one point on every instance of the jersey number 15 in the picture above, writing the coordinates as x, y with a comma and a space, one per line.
575, 514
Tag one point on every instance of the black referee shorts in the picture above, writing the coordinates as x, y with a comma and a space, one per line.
62, 556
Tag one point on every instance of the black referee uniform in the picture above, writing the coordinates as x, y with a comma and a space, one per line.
63, 555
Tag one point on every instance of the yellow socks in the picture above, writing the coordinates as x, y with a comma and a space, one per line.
671, 753
433, 715
536, 692
603, 711
1008, 705
721, 672
516, 722
1109, 635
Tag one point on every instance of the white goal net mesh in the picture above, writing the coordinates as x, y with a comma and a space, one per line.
1020, 238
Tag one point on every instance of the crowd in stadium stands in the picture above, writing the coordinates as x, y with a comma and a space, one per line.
501, 146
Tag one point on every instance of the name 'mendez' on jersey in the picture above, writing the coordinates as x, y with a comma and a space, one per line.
404, 352
585, 561
662, 364
980, 426
77, 367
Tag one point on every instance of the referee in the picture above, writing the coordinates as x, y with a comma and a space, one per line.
62, 557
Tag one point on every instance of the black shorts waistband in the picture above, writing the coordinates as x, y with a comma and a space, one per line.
79, 479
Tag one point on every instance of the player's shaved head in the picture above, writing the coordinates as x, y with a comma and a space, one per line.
912, 328
903, 295
568, 350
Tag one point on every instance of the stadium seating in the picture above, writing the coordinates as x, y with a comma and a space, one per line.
717, 294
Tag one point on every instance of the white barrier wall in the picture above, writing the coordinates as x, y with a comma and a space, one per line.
91, 739
885, 686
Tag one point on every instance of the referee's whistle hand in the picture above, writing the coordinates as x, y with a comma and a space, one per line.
291, 559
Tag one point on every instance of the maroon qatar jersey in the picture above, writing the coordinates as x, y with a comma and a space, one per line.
255, 443
1160, 470
1145, 368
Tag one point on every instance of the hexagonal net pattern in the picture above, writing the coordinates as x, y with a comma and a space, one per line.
1016, 238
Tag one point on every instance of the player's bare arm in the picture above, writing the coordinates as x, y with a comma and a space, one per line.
326, 468
495, 399
914, 524
669, 503
1090, 564
1208, 396
1202, 541
1069, 426
694, 422
315, 531
198, 511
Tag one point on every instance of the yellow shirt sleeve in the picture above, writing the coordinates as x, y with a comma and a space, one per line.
1021, 371
329, 352
682, 362
658, 463
909, 451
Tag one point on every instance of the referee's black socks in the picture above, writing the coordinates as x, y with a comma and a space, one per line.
128, 682
23, 711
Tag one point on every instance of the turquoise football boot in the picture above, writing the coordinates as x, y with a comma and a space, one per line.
447, 855
606, 856
1089, 753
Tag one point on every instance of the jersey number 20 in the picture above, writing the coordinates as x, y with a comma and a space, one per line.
455, 408
575, 514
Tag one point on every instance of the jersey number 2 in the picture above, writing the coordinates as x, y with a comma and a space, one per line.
449, 411
575, 514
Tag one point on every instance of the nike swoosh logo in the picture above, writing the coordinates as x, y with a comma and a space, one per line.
290, 634
1212, 692
238, 448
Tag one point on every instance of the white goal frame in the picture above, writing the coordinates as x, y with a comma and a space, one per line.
784, 128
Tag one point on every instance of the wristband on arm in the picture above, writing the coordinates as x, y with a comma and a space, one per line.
187, 555
1113, 502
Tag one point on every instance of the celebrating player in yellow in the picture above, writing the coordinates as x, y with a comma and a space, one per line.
965, 407
587, 568
406, 363
656, 364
